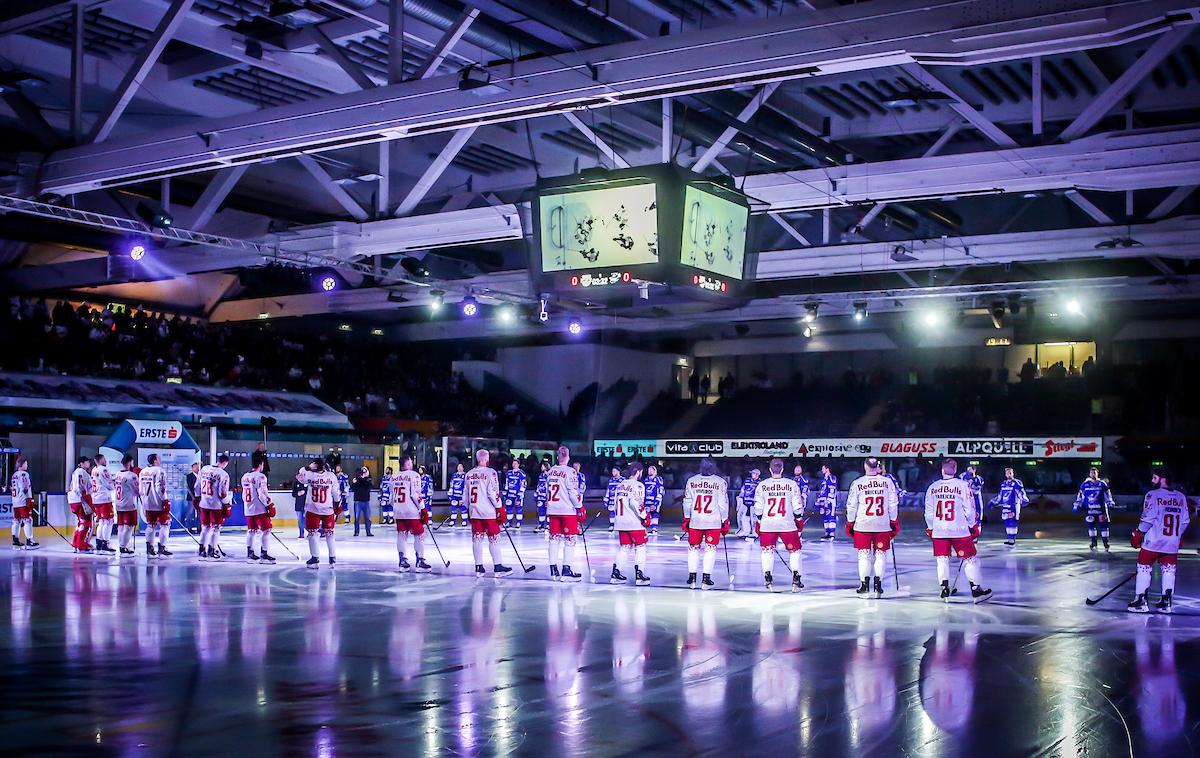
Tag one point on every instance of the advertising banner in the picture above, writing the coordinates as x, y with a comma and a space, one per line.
857, 447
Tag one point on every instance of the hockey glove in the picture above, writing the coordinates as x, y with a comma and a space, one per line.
849, 528
725, 527
426, 517
166, 508
895, 528
929, 532
270, 509
29, 502
975, 532
646, 522
1136, 538
685, 525
501, 514
799, 524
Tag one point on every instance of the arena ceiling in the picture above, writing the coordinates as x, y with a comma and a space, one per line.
897, 149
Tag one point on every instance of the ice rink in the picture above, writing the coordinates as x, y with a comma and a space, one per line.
180, 657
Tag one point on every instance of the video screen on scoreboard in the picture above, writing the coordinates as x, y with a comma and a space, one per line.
605, 227
714, 233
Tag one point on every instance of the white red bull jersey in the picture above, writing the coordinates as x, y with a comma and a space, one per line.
629, 500
152, 482
706, 502
254, 493
80, 485
322, 491
214, 488
126, 491
873, 503
482, 492
1164, 519
406, 494
104, 485
563, 495
22, 489
777, 503
950, 508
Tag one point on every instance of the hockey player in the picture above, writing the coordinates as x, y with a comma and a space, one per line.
343, 491
582, 481
654, 496
482, 491
103, 488
412, 514
802, 481
629, 506
610, 504
1010, 499
385, 497
541, 493
780, 512
426, 488
79, 498
564, 506
321, 510
827, 503
22, 500
872, 521
127, 493
976, 481
705, 520
746, 500
951, 522
259, 510
1165, 516
458, 481
514, 494
215, 500
1096, 497
152, 485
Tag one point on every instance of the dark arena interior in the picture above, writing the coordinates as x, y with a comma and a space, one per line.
599, 377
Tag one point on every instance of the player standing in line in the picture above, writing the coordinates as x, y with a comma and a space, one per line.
827, 503
1096, 497
582, 482
458, 482
951, 522
1165, 517
103, 488
343, 489
412, 514
214, 507
802, 482
976, 481
654, 496
259, 509
127, 491
385, 497
746, 510
22, 500
514, 494
1010, 498
705, 520
610, 492
426, 489
79, 498
872, 521
152, 484
564, 506
631, 519
320, 510
541, 493
780, 511
486, 512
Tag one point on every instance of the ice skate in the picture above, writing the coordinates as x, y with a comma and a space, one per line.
214, 554
570, 576
980, 594
162, 552
1138, 605
797, 585
17, 544
202, 554
313, 563
706, 582
332, 561
32, 544
864, 588
554, 575
617, 577
640, 579
422, 567
251, 556
1164, 603
265, 558
404, 564
500, 570
691, 580
878, 589
126, 551
479, 572
768, 581
945, 594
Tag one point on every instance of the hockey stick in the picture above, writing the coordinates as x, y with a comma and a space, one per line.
589, 524
728, 570
442, 523
586, 557
184, 528
954, 587
46, 522
439, 549
525, 568
281, 542
895, 568
1118, 586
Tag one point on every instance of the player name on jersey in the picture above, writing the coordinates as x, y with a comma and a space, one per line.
1031, 448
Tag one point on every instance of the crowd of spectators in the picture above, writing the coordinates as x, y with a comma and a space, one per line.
353, 376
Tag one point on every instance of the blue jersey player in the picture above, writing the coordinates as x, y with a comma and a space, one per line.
610, 496
458, 509
514, 494
541, 495
343, 481
1096, 498
654, 496
746, 501
582, 480
802, 482
976, 481
426, 488
827, 502
1012, 496
385, 497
